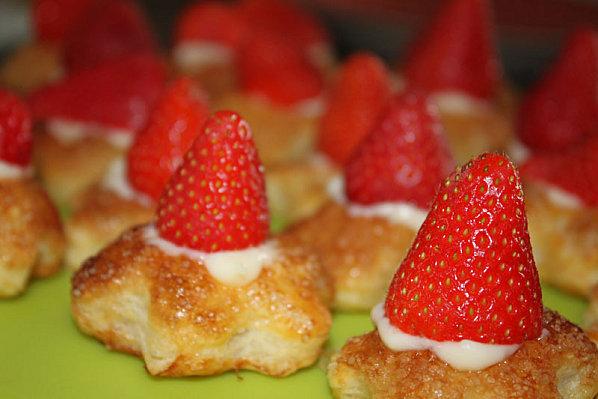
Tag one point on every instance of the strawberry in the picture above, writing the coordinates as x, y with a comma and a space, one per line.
173, 125
111, 29
457, 53
470, 273
273, 67
404, 158
573, 169
54, 19
211, 21
216, 200
360, 94
117, 94
15, 130
563, 107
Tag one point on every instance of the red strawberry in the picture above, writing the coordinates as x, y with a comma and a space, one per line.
272, 67
173, 125
573, 170
356, 101
563, 107
111, 29
54, 19
470, 273
457, 53
216, 200
15, 130
404, 158
211, 21
117, 94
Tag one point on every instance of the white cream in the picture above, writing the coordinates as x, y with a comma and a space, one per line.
312, 107
459, 103
116, 181
395, 212
562, 198
196, 55
518, 151
69, 131
462, 355
10, 171
233, 268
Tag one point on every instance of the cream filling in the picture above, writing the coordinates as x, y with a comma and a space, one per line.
69, 131
562, 198
518, 151
116, 181
463, 355
196, 55
311, 108
11, 171
233, 268
394, 212
455, 102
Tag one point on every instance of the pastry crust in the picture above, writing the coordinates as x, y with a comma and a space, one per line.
591, 316
31, 67
100, 217
280, 135
564, 241
564, 364
218, 80
68, 169
361, 254
173, 313
31, 236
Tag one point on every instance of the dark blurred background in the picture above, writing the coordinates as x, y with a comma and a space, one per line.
529, 31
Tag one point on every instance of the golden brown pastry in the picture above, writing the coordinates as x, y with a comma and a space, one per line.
591, 316
31, 67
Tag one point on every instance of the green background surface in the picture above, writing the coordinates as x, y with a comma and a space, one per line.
43, 355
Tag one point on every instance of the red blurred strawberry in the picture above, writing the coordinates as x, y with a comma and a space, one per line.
15, 130
211, 21
404, 158
173, 125
470, 273
54, 19
573, 170
272, 67
457, 52
563, 107
356, 101
216, 200
109, 30
118, 93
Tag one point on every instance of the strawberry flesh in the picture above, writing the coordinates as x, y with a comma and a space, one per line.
357, 99
15, 130
216, 200
470, 273
404, 158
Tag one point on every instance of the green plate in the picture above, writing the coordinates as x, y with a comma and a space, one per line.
43, 355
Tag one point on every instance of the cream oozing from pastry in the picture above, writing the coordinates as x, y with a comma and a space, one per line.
116, 181
200, 54
518, 151
455, 102
462, 355
395, 212
562, 198
312, 107
69, 131
12, 171
233, 268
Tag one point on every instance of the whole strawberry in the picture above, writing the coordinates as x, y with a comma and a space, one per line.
470, 274
404, 158
360, 94
15, 130
216, 200
563, 107
159, 148
53, 20
457, 53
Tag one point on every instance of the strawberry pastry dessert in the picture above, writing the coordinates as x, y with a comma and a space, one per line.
463, 317
127, 194
456, 61
31, 237
380, 203
203, 289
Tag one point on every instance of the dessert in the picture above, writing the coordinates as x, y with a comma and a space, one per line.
127, 194
561, 199
204, 290
89, 119
389, 182
463, 316
464, 76
31, 237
